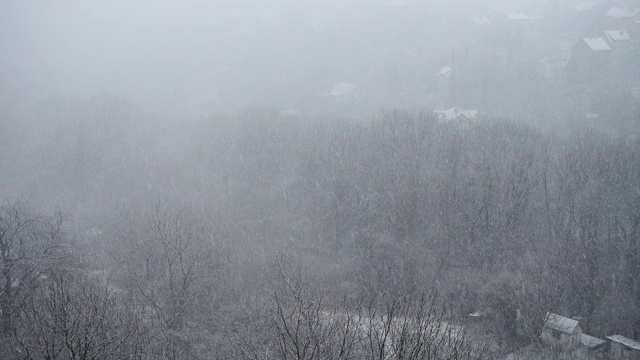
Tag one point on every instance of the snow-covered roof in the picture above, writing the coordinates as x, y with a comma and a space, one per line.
617, 35
560, 323
590, 341
454, 113
585, 6
625, 341
597, 44
476, 314
618, 12
516, 15
342, 89
444, 72
480, 20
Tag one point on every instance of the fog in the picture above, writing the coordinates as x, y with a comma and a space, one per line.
203, 57
307, 179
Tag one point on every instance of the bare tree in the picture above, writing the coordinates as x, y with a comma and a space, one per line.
30, 244
170, 266
307, 328
413, 326
308, 325
70, 317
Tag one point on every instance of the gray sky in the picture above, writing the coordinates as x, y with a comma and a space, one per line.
202, 56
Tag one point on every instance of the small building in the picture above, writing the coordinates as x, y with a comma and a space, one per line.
519, 16
343, 90
456, 114
622, 348
597, 44
590, 57
618, 39
343, 100
445, 72
591, 343
625, 18
561, 332
617, 35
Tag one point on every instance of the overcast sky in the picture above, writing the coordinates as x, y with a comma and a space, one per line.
174, 54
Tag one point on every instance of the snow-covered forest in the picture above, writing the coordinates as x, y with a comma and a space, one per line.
433, 203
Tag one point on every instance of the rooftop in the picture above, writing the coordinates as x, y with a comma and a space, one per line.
517, 15
625, 341
444, 72
590, 341
618, 12
560, 323
597, 44
455, 112
617, 35
342, 89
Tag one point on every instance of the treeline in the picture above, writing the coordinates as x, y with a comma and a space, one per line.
192, 231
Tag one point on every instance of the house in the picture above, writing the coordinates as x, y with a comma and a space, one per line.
517, 15
617, 38
444, 72
343, 99
561, 332
622, 348
591, 343
590, 57
617, 35
455, 114
343, 90
626, 18
597, 44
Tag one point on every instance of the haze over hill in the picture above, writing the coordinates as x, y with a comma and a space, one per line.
315, 179
202, 57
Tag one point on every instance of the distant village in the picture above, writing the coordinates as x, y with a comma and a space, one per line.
564, 335
587, 50
574, 62
564, 63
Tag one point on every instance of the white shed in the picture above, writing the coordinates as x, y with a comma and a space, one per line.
622, 348
561, 332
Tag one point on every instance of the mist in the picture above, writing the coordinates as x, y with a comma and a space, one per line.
204, 57
306, 179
